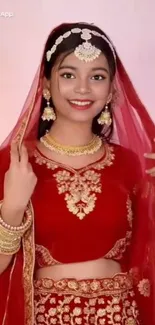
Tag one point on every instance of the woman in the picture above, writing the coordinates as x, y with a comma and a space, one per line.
77, 209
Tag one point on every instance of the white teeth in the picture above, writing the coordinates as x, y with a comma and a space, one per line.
80, 103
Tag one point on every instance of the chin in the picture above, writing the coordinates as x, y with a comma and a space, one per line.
81, 119
83, 116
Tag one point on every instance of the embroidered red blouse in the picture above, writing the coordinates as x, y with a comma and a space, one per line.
84, 214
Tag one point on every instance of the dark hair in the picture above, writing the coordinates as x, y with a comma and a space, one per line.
67, 46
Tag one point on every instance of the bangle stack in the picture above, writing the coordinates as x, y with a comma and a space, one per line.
10, 236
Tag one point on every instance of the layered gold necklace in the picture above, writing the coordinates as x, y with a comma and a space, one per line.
93, 146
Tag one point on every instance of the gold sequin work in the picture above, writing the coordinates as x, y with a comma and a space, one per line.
80, 190
86, 302
121, 244
79, 187
144, 287
43, 256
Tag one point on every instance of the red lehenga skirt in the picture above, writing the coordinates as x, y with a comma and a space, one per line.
96, 301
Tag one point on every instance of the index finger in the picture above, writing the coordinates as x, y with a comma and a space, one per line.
14, 154
23, 155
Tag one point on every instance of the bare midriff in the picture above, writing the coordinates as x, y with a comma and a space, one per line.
100, 268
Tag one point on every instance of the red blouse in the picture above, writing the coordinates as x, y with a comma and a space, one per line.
80, 215
84, 214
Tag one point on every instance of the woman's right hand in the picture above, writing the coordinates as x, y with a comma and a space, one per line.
19, 181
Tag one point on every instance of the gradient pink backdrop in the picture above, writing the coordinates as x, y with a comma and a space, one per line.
129, 23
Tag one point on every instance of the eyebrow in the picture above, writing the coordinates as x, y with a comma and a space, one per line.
74, 68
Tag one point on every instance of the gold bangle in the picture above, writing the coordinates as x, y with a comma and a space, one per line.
9, 245
18, 229
10, 236
9, 250
9, 242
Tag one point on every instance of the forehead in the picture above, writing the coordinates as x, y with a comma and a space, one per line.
72, 60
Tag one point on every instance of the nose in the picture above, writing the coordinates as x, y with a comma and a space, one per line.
82, 87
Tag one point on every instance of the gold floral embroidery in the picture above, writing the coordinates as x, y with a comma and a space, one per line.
144, 287
84, 288
21, 129
119, 247
134, 273
112, 307
107, 160
28, 271
44, 161
130, 213
79, 186
80, 191
43, 256
23, 124
130, 321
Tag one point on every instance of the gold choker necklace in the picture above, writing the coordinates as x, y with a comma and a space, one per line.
93, 146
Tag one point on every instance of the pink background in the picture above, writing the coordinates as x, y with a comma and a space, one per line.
129, 23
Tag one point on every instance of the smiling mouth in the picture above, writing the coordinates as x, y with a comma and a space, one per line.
81, 104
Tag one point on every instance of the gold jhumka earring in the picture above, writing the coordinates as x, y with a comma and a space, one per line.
105, 117
48, 113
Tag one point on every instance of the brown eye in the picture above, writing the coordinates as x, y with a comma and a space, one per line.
98, 77
67, 76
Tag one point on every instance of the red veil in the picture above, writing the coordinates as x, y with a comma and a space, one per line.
134, 130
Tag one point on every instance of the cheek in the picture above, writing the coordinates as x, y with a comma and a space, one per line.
61, 89
66, 87
102, 91
55, 95
59, 98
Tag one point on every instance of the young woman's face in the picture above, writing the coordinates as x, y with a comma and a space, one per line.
80, 90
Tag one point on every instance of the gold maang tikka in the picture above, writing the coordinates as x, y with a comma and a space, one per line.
85, 51
105, 117
48, 113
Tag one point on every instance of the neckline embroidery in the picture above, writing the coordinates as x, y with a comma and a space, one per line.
80, 188
101, 163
